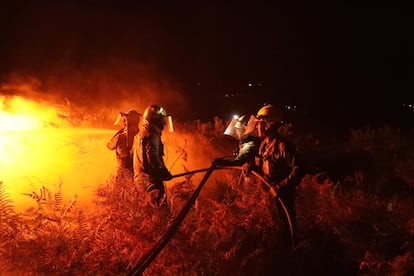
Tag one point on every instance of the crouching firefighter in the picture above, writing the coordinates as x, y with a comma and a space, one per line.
149, 167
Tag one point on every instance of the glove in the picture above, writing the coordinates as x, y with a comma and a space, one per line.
165, 174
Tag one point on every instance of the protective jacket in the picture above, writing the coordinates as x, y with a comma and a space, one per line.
122, 143
278, 161
148, 157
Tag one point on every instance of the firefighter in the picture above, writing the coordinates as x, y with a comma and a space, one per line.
277, 158
149, 167
122, 142
242, 129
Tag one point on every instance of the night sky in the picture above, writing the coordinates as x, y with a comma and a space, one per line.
332, 58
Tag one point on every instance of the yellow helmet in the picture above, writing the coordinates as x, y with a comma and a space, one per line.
268, 113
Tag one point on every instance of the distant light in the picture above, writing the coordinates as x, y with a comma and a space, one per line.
235, 116
290, 107
250, 84
409, 106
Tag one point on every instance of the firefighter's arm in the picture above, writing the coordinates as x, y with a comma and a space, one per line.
155, 159
294, 175
152, 150
111, 145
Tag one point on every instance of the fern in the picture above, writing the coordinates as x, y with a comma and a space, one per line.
43, 196
68, 207
58, 196
51, 206
6, 204
231, 231
182, 153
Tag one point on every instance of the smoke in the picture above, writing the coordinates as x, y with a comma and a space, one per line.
115, 86
94, 56
45, 144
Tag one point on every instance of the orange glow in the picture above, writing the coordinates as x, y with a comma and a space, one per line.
39, 147
17, 113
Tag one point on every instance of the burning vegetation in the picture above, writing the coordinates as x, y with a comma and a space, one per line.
63, 211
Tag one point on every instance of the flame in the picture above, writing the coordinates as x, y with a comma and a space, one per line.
18, 122
40, 148
17, 113
37, 148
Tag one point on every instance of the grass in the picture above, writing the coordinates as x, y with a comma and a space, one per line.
354, 215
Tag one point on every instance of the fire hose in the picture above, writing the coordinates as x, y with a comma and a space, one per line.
147, 258
190, 172
272, 191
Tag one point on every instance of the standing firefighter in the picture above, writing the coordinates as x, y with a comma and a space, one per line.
149, 168
277, 158
123, 140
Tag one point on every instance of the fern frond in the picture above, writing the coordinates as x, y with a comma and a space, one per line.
68, 207
43, 193
182, 153
58, 197
83, 225
33, 195
6, 204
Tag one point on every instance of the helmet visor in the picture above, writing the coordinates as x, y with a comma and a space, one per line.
120, 118
169, 122
251, 125
231, 129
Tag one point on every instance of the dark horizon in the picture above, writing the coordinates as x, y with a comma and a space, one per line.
347, 55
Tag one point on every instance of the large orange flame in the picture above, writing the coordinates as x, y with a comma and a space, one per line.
37, 148
17, 113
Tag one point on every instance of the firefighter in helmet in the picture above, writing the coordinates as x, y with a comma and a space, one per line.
149, 167
277, 158
123, 140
